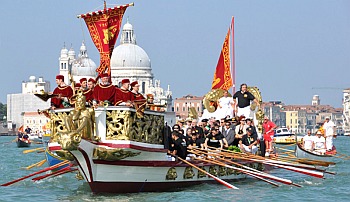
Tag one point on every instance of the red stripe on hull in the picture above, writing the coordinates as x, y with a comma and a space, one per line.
149, 163
134, 187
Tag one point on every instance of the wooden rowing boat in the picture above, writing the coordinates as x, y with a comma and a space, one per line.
300, 152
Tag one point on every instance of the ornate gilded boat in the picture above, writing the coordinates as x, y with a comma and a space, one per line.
119, 151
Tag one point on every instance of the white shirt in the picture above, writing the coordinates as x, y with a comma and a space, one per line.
328, 126
308, 140
226, 102
320, 142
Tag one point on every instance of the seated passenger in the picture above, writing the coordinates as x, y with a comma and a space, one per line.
249, 142
123, 96
214, 139
308, 141
320, 143
103, 92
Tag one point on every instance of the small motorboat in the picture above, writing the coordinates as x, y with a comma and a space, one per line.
284, 136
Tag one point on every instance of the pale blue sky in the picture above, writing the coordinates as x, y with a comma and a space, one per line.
284, 47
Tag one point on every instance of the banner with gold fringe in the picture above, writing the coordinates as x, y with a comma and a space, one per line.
222, 76
104, 27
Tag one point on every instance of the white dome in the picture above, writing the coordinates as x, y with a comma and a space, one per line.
71, 52
127, 26
64, 51
129, 55
84, 66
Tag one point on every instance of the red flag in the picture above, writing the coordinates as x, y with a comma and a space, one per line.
222, 77
104, 27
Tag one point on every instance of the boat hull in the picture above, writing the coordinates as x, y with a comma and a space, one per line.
302, 153
151, 171
23, 143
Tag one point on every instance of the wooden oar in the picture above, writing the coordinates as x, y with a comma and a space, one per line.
253, 174
35, 173
276, 164
40, 163
33, 150
54, 174
277, 179
210, 175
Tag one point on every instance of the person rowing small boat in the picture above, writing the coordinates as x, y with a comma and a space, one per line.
314, 147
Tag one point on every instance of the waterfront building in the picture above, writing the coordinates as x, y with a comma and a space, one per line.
346, 111
182, 106
274, 110
37, 122
18, 104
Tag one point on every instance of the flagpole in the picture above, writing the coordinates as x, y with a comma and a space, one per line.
233, 67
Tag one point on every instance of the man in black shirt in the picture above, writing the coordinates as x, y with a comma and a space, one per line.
178, 149
249, 142
244, 97
214, 139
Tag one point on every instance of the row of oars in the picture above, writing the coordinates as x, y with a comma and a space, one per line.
63, 163
225, 158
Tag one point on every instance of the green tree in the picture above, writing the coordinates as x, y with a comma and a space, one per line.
3, 111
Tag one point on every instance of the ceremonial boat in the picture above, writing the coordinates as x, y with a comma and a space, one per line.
119, 150
23, 142
300, 152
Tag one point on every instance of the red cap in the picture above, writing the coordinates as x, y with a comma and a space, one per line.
134, 84
125, 81
82, 80
77, 85
92, 80
60, 77
104, 75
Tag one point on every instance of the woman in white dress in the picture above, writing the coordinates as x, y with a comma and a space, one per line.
225, 107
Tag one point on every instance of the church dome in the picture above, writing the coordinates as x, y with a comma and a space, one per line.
84, 66
129, 55
127, 26
64, 51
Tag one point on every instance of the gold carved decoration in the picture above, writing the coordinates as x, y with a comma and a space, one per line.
230, 171
189, 173
200, 173
102, 153
126, 125
171, 175
259, 114
67, 128
210, 99
79, 176
213, 171
222, 171
65, 155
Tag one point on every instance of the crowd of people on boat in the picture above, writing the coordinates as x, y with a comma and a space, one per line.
239, 132
102, 93
322, 142
228, 131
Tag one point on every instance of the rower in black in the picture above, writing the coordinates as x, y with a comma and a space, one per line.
178, 146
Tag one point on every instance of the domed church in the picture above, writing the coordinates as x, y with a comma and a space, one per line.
80, 67
130, 61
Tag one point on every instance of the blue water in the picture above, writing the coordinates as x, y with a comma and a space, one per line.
67, 188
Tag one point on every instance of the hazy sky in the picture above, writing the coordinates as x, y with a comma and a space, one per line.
286, 48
